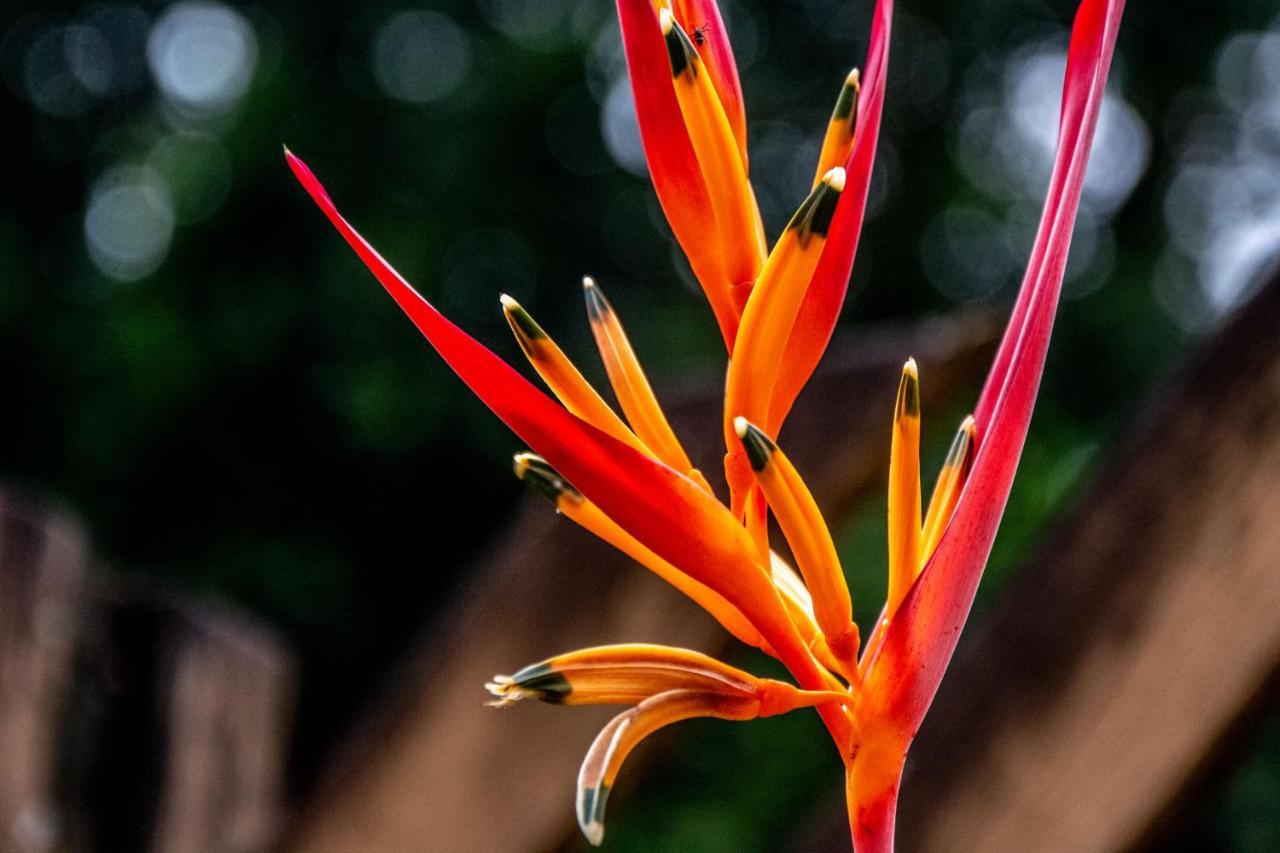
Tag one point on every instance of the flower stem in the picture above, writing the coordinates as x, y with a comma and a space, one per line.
871, 791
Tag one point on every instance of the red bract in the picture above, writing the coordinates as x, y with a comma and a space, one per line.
629, 481
905, 673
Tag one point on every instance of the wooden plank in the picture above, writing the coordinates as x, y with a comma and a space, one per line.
434, 770
226, 714
130, 720
192, 704
1134, 646
42, 566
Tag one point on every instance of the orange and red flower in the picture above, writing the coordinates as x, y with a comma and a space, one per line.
626, 477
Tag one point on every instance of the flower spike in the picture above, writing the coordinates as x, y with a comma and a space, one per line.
630, 482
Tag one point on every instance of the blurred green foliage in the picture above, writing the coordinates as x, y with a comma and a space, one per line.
252, 418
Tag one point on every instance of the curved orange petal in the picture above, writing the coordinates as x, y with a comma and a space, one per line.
624, 732
628, 673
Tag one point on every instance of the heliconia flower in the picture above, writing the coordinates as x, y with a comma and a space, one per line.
625, 477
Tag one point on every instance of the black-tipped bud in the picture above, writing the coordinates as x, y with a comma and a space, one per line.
760, 448
847, 104
538, 681
680, 50
534, 471
816, 212
542, 681
963, 447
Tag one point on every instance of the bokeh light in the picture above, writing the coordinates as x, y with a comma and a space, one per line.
47, 76
573, 133
1222, 203
420, 56
1005, 136
621, 130
129, 223
106, 48
202, 56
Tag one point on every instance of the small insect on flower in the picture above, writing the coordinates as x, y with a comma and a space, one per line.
624, 475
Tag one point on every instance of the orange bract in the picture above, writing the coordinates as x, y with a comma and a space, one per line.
627, 478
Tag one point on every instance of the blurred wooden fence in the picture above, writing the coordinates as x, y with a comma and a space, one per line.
129, 720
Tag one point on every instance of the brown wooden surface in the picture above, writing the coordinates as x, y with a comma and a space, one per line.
1134, 647
177, 736
42, 567
226, 707
130, 719
437, 771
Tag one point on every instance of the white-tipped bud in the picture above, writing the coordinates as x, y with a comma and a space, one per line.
835, 179
666, 20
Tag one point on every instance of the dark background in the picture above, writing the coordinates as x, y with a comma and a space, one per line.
200, 370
